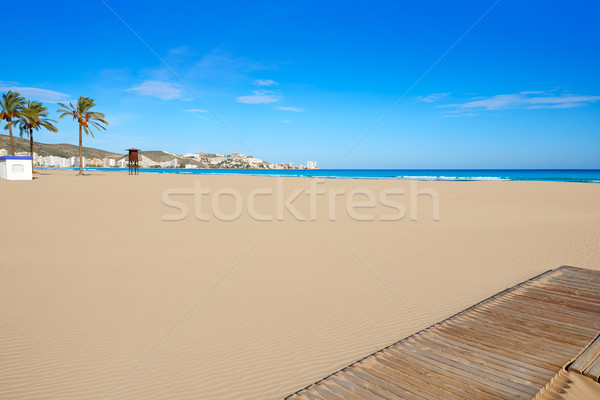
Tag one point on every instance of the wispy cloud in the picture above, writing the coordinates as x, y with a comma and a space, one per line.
265, 82
527, 100
223, 64
432, 97
294, 109
286, 121
260, 97
459, 115
44, 95
196, 110
159, 89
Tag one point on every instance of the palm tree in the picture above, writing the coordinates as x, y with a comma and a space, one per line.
10, 107
34, 116
84, 118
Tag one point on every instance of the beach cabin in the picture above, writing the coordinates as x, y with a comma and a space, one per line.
16, 168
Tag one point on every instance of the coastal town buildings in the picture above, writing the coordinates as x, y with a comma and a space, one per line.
196, 160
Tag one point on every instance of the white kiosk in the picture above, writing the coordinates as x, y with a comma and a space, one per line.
16, 168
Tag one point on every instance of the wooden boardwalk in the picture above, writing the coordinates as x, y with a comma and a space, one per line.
506, 347
588, 362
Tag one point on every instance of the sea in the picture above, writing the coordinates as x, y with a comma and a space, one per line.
553, 175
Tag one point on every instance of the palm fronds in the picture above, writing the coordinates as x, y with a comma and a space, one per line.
85, 118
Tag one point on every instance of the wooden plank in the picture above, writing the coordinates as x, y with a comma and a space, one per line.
499, 341
471, 367
593, 371
491, 364
417, 382
587, 357
475, 347
359, 392
413, 367
443, 374
383, 381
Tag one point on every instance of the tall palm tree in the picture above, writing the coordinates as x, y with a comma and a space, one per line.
10, 107
34, 116
84, 118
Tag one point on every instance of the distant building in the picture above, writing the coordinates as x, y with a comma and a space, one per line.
56, 162
169, 164
123, 163
96, 162
3, 152
216, 160
191, 166
109, 162
38, 161
253, 160
311, 165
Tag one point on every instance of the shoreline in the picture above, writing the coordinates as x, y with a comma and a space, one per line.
332, 175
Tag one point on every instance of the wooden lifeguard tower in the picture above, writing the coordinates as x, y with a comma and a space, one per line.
133, 158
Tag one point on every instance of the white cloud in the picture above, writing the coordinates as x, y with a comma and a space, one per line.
432, 97
220, 64
159, 89
286, 121
49, 96
265, 82
528, 100
459, 115
294, 109
259, 97
196, 110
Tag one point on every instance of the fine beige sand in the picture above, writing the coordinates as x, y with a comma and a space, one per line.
101, 298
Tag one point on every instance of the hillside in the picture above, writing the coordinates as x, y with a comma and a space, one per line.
70, 150
60, 150
162, 156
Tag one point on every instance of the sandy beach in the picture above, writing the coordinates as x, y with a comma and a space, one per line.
104, 295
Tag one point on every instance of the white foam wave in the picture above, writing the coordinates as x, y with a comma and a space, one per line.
452, 178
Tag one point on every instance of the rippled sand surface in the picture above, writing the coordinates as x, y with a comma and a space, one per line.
101, 298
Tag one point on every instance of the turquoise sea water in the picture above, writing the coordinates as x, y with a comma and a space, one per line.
557, 175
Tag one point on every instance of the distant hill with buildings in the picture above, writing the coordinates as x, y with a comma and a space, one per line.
58, 150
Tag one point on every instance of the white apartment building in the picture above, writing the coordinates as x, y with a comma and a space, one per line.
56, 162
311, 165
169, 164
253, 160
109, 162
216, 160
74, 162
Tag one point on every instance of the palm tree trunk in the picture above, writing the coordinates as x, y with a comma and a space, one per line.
12, 141
31, 147
80, 152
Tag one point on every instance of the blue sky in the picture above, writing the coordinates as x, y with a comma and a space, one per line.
304, 80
